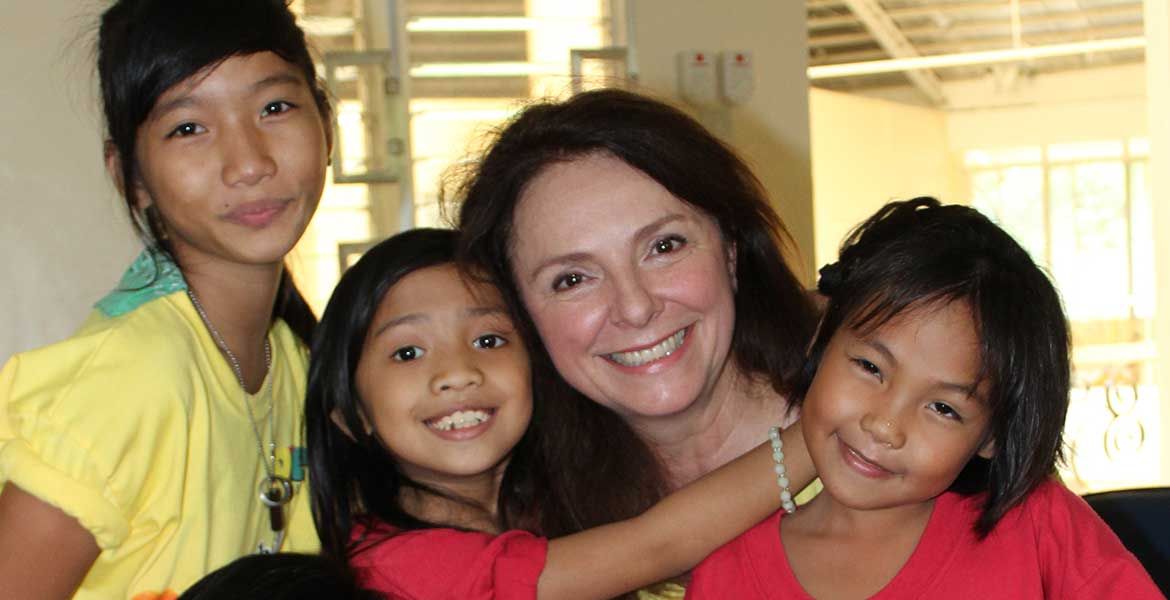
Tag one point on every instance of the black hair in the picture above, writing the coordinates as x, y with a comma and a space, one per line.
353, 473
919, 253
146, 47
281, 576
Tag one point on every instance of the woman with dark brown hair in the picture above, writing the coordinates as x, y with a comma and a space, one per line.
644, 255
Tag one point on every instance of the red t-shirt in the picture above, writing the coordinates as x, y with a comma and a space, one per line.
437, 564
1050, 546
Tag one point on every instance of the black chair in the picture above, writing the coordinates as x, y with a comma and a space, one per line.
1141, 518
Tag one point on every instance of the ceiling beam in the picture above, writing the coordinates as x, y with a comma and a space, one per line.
985, 43
928, 11
975, 58
889, 37
961, 33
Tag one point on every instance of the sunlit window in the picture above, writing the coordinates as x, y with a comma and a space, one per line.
471, 66
1083, 212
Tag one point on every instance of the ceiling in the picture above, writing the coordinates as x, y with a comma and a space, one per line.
849, 31
839, 32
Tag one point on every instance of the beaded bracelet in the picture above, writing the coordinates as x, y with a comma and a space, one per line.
781, 473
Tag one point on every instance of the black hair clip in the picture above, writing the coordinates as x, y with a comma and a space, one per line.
830, 280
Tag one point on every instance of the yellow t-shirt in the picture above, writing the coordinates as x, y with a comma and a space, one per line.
138, 427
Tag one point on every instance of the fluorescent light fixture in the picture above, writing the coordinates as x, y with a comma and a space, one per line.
321, 26
973, 58
465, 114
485, 69
455, 24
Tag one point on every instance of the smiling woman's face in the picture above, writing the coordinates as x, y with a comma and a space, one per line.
630, 288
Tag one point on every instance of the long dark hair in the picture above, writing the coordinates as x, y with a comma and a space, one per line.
357, 475
773, 315
920, 253
774, 318
145, 47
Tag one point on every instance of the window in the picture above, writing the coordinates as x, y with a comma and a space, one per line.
1083, 212
471, 65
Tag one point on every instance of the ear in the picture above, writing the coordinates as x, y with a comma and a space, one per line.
113, 162
113, 165
987, 450
339, 422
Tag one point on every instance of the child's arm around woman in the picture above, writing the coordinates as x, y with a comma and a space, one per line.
431, 461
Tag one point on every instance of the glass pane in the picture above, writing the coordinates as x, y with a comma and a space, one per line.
1139, 147
1084, 151
1142, 230
1090, 246
1014, 199
1003, 156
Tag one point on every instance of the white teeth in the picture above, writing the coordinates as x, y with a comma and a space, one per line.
459, 419
641, 357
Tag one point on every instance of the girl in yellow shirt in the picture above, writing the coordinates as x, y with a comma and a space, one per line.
163, 439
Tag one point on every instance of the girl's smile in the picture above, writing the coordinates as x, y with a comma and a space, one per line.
894, 414
862, 463
234, 159
258, 214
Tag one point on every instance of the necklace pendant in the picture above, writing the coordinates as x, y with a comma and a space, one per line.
275, 492
276, 517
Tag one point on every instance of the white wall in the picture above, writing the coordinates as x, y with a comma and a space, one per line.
62, 232
868, 151
771, 130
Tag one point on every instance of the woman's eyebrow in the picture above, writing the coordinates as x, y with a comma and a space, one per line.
657, 224
560, 258
642, 232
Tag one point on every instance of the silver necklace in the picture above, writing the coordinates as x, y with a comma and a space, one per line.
275, 491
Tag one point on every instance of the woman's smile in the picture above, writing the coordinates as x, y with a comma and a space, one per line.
672, 345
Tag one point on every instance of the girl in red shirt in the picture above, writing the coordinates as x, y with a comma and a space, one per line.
932, 406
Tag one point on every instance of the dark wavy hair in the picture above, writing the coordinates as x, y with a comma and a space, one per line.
145, 47
773, 315
774, 318
920, 253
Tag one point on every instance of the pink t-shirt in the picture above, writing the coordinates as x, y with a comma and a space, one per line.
1051, 546
436, 564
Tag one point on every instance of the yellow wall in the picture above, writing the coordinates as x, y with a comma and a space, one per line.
868, 151
772, 129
